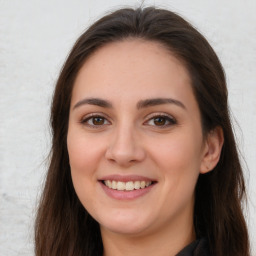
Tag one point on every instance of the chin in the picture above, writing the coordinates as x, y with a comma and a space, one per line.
127, 229
125, 224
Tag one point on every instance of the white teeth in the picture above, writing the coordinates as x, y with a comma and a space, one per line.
114, 184
128, 186
120, 185
148, 183
137, 184
108, 183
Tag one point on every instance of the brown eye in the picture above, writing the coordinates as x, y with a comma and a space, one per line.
98, 120
159, 121
94, 121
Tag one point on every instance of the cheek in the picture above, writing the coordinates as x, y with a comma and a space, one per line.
84, 159
179, 152
84, 153
178, 160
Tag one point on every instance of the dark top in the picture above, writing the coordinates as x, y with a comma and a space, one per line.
196, 248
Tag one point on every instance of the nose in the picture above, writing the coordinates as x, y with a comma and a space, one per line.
125, 147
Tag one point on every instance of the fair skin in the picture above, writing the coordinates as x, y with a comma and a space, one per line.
134, 117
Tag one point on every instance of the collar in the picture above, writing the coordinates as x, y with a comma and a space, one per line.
196, 248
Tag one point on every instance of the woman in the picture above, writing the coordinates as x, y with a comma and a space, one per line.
143, 160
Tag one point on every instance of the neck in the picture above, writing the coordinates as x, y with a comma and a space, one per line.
164, 242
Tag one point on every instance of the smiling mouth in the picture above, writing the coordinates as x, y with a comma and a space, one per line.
127, 186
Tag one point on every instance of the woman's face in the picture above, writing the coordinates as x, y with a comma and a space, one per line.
135, 139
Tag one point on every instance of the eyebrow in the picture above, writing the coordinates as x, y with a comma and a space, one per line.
94, 101
159, 101
141, 104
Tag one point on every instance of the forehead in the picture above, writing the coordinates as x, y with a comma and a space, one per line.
129, 67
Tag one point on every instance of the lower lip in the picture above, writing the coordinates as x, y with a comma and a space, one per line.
126, 195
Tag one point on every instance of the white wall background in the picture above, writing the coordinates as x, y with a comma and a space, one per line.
35, 37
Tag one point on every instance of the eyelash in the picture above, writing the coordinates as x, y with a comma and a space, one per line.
165, 118
85, 120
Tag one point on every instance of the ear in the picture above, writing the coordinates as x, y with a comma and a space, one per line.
212, 150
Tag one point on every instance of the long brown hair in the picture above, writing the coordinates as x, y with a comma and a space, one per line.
63, 226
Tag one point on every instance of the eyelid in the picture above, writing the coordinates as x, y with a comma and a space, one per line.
87, 117
169, 117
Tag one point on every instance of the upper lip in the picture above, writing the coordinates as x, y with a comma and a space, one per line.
126, 178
